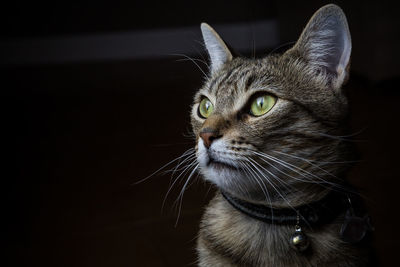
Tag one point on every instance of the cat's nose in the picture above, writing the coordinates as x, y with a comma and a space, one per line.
208, 136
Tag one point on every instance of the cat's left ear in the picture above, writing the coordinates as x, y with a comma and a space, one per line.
217, 49
326, 43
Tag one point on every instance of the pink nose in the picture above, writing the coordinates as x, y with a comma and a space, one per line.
208, 137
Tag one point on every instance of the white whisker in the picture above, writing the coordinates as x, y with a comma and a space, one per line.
185, 170
294, 168
190, 150
194, 62
270, 182
182, 192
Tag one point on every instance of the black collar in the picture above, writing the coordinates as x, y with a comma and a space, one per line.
313, 214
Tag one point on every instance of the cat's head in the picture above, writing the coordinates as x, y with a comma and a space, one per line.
268, 125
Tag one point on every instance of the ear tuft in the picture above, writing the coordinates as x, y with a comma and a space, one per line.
326, 43
217, 49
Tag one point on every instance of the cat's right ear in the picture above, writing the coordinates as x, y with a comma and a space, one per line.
217, 49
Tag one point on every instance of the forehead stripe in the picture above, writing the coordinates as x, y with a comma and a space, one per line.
249, 82
228, 75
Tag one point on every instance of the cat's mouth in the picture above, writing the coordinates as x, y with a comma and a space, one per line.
219, 165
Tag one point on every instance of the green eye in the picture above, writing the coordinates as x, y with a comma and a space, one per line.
205, 107
262, 105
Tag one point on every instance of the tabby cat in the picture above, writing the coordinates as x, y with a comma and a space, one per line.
269, 137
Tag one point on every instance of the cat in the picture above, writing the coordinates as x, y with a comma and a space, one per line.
268, 135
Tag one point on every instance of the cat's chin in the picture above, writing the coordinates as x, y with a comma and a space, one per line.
221, 166
223, 175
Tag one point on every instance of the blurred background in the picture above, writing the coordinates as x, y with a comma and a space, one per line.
96, 96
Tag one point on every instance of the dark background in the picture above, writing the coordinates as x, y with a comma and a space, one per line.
78, 134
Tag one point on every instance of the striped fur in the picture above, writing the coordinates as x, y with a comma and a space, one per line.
288, 157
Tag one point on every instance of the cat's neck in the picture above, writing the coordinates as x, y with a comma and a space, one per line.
284, 198
227, 232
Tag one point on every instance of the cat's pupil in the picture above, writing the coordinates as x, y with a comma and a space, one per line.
260, 102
